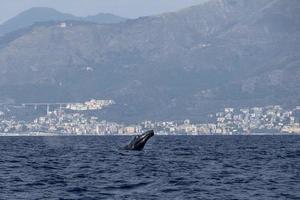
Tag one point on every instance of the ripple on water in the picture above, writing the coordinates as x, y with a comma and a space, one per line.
237, 167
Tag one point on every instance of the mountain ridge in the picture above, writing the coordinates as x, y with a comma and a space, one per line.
178, 65
44, 14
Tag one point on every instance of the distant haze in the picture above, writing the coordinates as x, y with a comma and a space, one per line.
125, 8
176, 66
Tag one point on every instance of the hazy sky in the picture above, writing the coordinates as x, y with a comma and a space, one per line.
126, 8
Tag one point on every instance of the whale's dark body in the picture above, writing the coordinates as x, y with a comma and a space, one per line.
139, 141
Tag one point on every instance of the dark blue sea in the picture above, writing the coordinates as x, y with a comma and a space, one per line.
170, 167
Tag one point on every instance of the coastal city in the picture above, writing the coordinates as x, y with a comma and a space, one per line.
69, 119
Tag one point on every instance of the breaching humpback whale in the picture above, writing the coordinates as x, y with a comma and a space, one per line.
139, 141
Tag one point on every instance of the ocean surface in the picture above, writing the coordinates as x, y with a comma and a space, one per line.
170, 167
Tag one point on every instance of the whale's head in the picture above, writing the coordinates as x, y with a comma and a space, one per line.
139, 141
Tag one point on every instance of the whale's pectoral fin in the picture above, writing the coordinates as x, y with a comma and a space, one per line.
139, 141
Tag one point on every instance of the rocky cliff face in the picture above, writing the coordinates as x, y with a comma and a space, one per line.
174, 65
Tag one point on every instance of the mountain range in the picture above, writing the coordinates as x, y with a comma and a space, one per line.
176, 65
43, 14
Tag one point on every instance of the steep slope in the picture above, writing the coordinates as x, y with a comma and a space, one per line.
174, 65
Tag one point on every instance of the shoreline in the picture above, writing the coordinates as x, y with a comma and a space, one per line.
157, 134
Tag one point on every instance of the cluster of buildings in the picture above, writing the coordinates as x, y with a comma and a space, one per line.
90, 105
256, 120
269, 119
